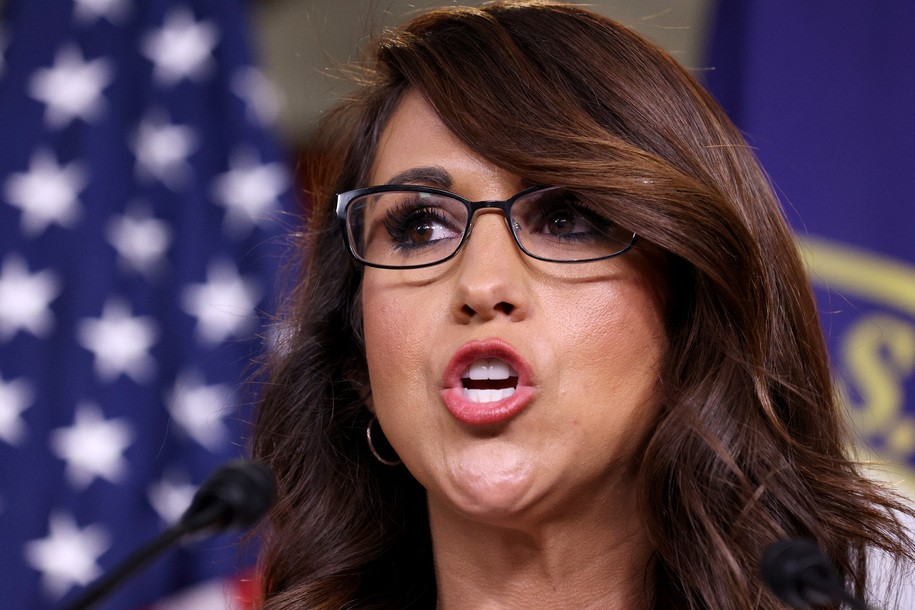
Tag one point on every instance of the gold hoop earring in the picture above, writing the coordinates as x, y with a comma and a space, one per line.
368, 436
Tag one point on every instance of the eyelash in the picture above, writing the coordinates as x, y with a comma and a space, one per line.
396, 219
593, 217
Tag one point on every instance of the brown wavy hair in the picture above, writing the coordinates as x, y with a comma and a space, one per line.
750, 446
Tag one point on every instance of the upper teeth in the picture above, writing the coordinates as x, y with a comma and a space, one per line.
489, 368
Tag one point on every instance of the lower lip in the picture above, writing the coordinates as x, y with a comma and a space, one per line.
485, 413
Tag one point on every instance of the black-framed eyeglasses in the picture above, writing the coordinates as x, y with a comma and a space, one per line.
407, 227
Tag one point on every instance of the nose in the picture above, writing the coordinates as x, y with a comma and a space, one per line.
491, 279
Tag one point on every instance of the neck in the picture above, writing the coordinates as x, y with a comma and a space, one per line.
570, 563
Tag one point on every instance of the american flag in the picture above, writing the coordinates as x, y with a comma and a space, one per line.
140, 190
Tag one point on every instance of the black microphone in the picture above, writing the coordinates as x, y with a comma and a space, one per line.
801, 575
234, 497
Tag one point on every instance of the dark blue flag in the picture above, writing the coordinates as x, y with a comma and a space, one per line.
825, 92
139, 192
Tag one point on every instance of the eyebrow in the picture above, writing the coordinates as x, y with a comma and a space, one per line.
433, 175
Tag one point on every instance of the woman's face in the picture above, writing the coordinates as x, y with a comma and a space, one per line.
581, 343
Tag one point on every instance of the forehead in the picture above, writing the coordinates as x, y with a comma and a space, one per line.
416, 137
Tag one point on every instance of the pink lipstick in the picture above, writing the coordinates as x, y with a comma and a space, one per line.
487, 382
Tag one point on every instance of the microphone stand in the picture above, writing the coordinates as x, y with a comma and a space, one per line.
137, 560
237, 495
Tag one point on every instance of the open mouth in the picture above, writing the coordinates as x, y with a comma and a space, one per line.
489, 380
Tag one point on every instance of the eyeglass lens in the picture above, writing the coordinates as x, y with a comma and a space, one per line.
407, 228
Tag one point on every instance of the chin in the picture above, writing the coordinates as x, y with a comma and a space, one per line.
492, 490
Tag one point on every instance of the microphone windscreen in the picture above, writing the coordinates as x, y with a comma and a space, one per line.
799, 574
235, 496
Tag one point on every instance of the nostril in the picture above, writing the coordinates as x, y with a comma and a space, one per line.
502, 307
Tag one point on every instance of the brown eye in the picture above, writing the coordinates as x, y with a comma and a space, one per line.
420, 232
561, 222
560, 214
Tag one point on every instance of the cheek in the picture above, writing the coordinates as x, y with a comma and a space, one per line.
613, 343
614, 327
396, 327
385, 333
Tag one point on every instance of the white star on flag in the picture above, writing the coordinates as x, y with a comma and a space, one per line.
182, 48
25, 298
162, 149
72, 88
90, 11
120, 342
47, 193
68, 556
139, 239
224, 305
249, 190
15, 397
93, 446
261, 98
116, 118
199, 409
171, 496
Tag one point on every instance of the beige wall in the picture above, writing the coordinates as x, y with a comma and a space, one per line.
304, 43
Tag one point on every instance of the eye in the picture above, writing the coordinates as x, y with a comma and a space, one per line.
418, 223
561, 214
562, 222
420, 227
